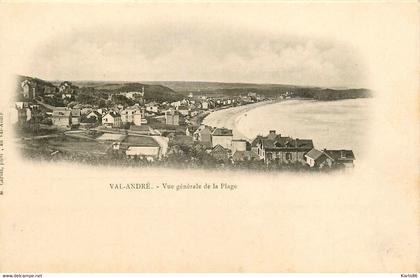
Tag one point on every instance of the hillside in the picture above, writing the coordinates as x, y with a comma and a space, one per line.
42, 87
151, 92
267, 90
201, 86
332, 94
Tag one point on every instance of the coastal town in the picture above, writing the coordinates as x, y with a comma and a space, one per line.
130, 126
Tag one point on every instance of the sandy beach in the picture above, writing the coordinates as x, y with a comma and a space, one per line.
230, 117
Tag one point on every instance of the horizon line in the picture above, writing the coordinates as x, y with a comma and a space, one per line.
196, 81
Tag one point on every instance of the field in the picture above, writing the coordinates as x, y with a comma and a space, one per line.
70, 145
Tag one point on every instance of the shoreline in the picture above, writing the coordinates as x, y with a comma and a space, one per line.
228, 117
321, 121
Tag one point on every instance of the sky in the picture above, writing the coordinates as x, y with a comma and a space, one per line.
179, 51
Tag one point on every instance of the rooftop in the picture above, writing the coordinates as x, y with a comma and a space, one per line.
113, 114
60, 112
314, 154
340, 154
276, 141
222, 132
219, 149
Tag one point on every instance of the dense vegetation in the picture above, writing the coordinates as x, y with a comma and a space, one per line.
151, 92
181, 157
96, 93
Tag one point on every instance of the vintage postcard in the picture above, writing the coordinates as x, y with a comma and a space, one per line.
209, 137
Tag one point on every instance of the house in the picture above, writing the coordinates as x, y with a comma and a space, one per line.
176, 104
220, 153
152, 107
253, 96
84, 110
132, 115
223, 137
134, 95
279, 149
137, 118
319, 159
61, 117
94, 115
329, 158
112, 119
204, 105
239, 145
21, 113
28, 89
172, 117
75, 117
66, 89
24, 115
254, 144
66, 86
245, 156
203, 135
341, 157
141, 146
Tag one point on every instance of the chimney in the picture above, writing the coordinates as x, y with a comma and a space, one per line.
272, 134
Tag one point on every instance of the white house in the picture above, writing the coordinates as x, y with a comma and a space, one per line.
152, 107
28, 89
133, 95
132, 115
176, 104
239, 145
205, 105
112, 119
222, 137
142, 146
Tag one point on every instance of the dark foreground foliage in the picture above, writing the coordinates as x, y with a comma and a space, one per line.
185, 158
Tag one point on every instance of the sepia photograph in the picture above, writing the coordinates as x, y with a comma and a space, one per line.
178, 96
209, 137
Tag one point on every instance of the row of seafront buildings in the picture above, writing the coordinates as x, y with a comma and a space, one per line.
221, 145
116, 117
273, 148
